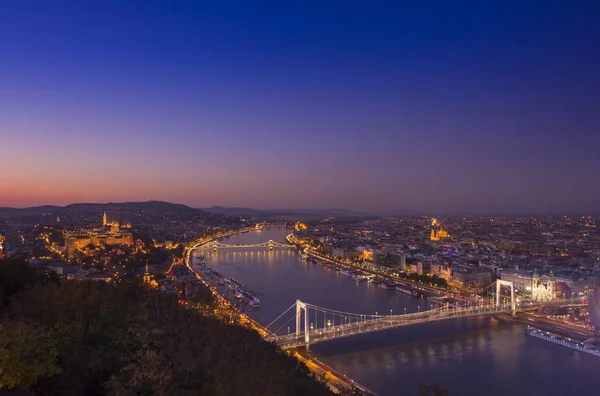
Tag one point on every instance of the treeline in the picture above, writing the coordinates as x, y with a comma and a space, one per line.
60, 337
432, 280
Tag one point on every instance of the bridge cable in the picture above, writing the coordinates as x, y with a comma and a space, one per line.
289, 320
343, 313
284, 312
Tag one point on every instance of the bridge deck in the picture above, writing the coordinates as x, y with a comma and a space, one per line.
383, 323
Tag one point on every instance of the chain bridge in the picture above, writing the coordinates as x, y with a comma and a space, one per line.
270, 245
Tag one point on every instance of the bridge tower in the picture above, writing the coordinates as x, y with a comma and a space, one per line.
499, 284
271, 244
214, 246
299, 307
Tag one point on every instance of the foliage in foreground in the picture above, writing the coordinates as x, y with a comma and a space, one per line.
93, 338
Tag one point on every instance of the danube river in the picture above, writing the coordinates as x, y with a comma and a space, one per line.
466, 357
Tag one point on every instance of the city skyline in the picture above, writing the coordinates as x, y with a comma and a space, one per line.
479, 109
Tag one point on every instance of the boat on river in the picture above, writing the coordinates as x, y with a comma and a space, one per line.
250, 299
406, 291
563, 341
359, 278
236, 283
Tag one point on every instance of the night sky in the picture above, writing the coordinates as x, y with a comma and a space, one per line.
437, 107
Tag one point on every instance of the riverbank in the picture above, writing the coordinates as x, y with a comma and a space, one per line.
524, 319
433, 295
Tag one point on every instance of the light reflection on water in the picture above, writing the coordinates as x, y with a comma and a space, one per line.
467, 357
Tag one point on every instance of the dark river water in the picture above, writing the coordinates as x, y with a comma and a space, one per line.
476, 356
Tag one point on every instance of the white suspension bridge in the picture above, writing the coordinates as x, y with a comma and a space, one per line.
314, 324
270, 244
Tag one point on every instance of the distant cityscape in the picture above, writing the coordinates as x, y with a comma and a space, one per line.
546, 258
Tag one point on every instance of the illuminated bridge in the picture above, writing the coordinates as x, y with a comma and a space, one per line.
314, 324
271, 245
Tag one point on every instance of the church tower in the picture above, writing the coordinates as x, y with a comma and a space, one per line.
147, 276
104, 220
149, 279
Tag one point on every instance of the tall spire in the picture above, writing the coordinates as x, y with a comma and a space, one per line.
104, 219
147, 270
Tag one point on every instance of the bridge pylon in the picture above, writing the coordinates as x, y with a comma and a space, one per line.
299, 307
499, 284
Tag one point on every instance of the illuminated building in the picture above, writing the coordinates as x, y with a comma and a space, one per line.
543, 289
300, 226
441, 270
364, 253
437, 231
521, 280
472, 275
149, 279
109, 234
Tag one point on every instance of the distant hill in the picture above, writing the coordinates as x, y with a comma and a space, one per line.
406, 212
319, 212
247, 212
31, 210
159, 206
271, 213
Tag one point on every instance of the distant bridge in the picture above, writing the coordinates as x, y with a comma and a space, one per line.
270, 245
314, 324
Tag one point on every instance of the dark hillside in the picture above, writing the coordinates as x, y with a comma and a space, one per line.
93, 338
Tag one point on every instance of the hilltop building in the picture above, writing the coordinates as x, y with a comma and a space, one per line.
109, 234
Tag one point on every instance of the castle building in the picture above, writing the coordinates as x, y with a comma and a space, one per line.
109, 234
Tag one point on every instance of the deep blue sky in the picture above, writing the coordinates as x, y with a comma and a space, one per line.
482, 106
